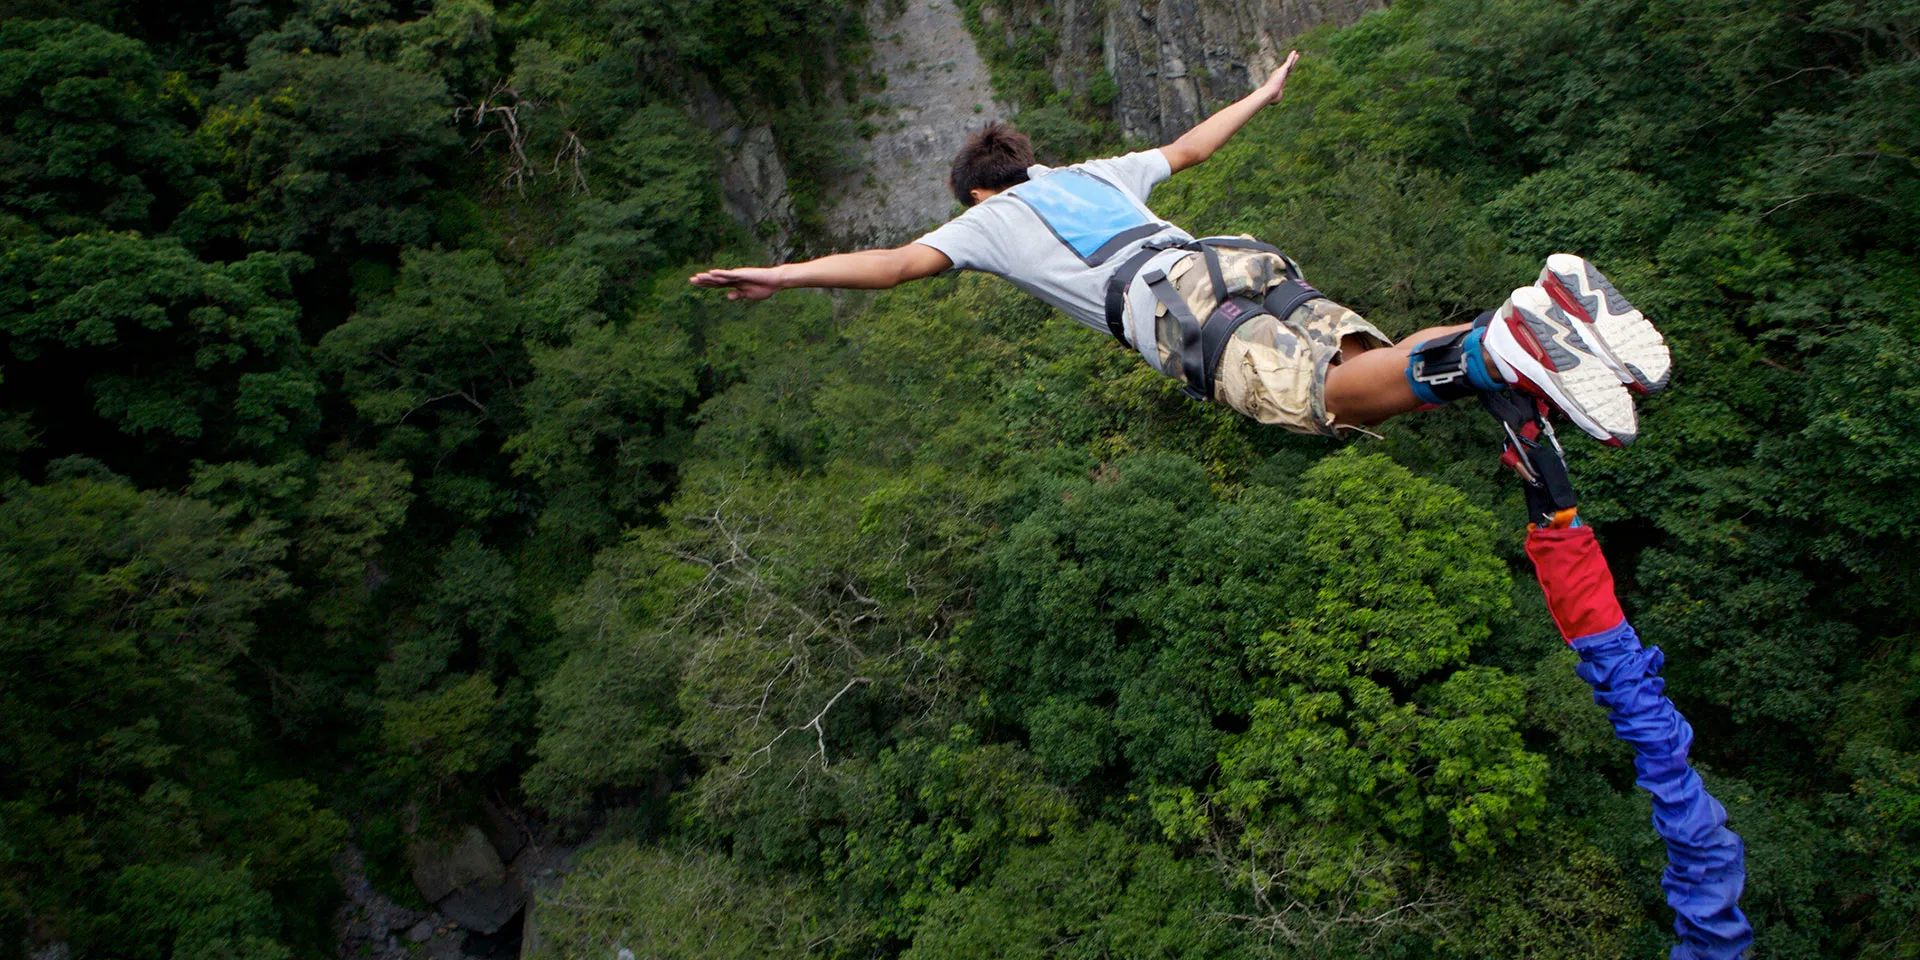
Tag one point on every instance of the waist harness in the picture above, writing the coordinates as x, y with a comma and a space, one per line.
1202, 341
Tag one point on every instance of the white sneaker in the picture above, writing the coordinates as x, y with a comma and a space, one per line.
1620, 334
1539, 349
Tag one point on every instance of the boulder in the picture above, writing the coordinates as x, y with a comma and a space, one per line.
484, 909
467, 861
504, 828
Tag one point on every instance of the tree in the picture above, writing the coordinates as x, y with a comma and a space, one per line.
654, 902
330, 153
94, 138
170, 347
123, 618
1085, 893
437, 361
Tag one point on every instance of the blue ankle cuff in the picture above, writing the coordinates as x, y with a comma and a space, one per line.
1451, 368
1422, 392
1474, 348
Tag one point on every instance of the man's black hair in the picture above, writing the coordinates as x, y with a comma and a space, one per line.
994, 158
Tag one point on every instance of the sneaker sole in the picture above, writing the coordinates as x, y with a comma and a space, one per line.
1542, 342
1613, 327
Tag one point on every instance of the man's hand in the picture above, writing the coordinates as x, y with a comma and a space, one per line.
1196, 145
742, 283
1276, 84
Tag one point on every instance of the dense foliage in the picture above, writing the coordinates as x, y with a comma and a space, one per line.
365, 457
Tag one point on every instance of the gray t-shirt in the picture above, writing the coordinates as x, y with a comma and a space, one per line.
1008, 237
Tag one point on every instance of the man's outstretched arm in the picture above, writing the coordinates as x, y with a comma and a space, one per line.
865, 270
1196, 145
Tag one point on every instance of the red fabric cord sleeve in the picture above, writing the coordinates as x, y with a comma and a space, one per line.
1577, 581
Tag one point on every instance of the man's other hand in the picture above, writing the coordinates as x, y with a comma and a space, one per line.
741, 283
1276, 84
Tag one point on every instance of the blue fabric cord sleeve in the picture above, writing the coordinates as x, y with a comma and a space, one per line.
1705, 861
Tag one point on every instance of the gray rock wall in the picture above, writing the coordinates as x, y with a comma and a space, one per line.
1173, 60
753, 176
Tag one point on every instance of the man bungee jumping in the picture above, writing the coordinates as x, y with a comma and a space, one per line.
1231, 318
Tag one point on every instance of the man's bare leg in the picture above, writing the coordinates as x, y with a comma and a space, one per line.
1369, 386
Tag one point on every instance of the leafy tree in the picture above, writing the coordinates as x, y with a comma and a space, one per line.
607, 714
663, 903
181, 910
94, 137
330, 153
1090, 893
125, 617
931, 818
167, 345
603, 420
445, 349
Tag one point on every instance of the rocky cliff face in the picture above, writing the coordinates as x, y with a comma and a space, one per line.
1172, 61
753, 178
937, 92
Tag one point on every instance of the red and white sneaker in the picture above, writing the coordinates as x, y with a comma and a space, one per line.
1539, 348
1618, 332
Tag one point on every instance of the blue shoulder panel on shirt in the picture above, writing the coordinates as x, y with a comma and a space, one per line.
1088, 214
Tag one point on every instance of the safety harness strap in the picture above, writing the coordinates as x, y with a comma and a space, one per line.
1438, 369
1122, 278
1203, 341
1214, 334
1192, 333
1117, 290
1291, 295
1214, 274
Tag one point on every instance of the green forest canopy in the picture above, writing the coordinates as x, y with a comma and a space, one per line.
356, 470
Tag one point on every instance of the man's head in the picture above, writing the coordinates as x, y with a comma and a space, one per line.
994, 158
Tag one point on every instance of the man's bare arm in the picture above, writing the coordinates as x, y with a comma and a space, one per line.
865, 270
1196, 145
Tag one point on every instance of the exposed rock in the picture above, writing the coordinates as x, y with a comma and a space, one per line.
753, 178
421, 932
538, 869
441, 868
1174, 61
400, 919
53, 951
445, 948
485, 909
504, 828
938, 91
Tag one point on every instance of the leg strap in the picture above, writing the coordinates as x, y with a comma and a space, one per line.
1292, 294
1192, 351
1204, 340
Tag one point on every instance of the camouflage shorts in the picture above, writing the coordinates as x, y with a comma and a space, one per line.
1273, 369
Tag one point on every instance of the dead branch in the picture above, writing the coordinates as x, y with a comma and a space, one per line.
572, 155
502, 108
817, 725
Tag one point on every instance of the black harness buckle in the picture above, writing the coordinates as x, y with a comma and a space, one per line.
1543, 465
